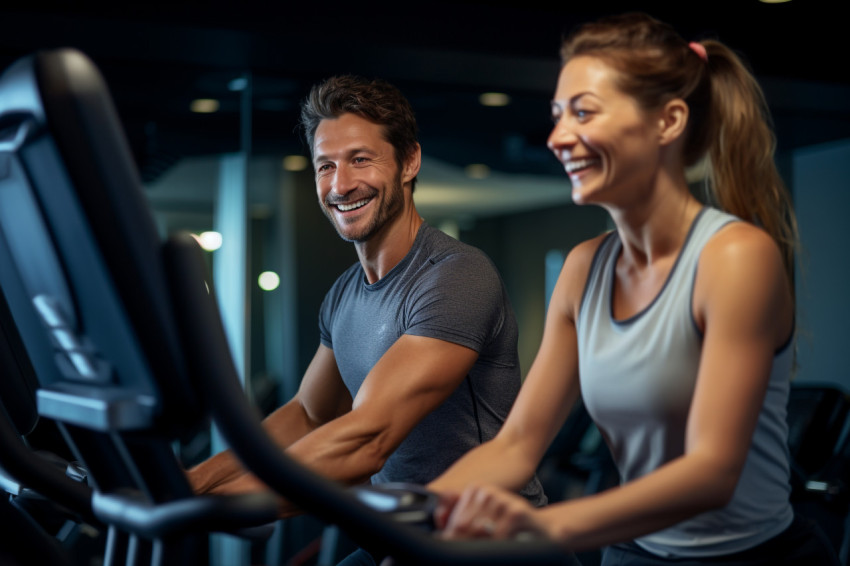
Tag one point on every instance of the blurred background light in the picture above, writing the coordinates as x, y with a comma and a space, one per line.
204, 105
268, 280
210, 240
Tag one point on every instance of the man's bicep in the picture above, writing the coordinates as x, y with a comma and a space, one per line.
412, 379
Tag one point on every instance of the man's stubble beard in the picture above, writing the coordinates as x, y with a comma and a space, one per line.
391, 205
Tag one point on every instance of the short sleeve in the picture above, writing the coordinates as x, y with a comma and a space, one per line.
461, 299
325, 323
332, 302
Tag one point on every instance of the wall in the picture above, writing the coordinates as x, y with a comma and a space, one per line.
518, 245
321, 257
299, 243
821, 181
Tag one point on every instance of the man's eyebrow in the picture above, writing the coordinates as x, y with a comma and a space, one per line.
347, 153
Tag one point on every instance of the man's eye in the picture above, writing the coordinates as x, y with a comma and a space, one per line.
322, 168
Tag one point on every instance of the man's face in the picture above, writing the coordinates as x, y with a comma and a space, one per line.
358, 181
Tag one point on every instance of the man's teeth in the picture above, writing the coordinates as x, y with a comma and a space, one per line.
352, 206
577, 164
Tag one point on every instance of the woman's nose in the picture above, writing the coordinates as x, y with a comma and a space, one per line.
561, 138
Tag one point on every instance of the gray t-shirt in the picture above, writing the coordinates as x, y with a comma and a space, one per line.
442, 289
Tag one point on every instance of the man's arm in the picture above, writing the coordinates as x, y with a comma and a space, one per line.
410, 380
350, 442
321, 398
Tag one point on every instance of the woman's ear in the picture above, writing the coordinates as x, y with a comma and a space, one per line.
672, 121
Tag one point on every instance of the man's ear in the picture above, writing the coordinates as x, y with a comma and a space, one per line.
412, 165
672, 121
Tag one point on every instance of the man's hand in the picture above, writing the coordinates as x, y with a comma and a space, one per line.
249, 483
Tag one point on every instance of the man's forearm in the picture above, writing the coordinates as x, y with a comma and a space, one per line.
349, 449
215, 471
285, 426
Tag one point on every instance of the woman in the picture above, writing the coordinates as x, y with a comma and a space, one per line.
676, 328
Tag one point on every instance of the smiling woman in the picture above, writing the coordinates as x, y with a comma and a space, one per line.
683, 313
602, 136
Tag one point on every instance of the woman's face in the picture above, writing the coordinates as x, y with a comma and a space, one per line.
608, 145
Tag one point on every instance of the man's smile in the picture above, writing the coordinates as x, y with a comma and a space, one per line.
345, 207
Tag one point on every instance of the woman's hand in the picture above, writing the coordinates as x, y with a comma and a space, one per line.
444, 509
488, 512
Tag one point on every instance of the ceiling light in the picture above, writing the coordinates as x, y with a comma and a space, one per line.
477, 171
494, 99
295, 163
774, 1
204, 105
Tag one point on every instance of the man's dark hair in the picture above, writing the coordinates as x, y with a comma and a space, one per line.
374, 100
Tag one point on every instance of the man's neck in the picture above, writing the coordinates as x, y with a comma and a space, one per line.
384, 250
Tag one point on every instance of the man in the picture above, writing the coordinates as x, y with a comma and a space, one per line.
417, 362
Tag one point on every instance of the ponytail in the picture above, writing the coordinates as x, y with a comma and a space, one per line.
743, 179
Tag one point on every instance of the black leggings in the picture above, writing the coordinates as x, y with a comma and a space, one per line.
801, 544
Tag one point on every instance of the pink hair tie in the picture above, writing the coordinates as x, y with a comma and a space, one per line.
699, 49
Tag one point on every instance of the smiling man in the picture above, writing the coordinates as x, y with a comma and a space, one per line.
418, 356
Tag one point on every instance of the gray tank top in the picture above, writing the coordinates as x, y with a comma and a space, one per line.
637, 381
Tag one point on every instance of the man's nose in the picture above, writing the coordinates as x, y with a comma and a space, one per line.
344, 181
